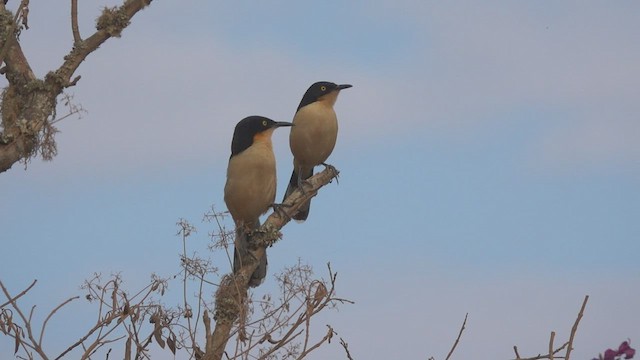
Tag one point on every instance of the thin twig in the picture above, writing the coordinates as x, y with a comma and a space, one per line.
317, 345
458, 338
74, 22
19, 295
307, 321
128, 9
309, 306
568, 344
515, 349
27, 322
575, 327
98, 326
345, 346
553, 335
541, 356
44, 324
184, 287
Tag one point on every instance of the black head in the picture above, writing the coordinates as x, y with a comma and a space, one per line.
247, 129
319, 89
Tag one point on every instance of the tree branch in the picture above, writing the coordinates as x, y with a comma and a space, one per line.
109, 24
568, 344
44, 324
458, 338
345, 346
28, 102
27, 323
232, 292
74, 22
13, 299
326, 338
575, 327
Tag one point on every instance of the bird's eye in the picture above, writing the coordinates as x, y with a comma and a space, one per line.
264, 122
323, 88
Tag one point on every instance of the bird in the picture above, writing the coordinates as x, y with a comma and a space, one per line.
250, 188
314, 135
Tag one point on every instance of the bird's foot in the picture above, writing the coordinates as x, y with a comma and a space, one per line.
332, 168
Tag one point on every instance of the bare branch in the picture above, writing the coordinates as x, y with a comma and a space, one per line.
97, 327
345, 346
458, 338
515, 349
44, 324
186, 230
19, 295
73, 108
27, 323
326, 338
74, 22
109, 24
29, 102
575, 327
316, 297
233, 288
568, 344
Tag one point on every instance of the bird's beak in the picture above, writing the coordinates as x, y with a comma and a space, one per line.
343, 86
282, 123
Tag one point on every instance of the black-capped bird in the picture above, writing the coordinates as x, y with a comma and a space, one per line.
314, 135
251, 184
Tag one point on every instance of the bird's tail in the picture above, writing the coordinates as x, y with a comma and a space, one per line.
241, 251
303, 211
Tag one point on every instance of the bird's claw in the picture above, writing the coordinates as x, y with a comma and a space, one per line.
333, 169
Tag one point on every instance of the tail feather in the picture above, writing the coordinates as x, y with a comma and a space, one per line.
293, 185
240, 251
294, 182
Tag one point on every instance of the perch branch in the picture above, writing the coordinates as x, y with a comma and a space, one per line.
233, 289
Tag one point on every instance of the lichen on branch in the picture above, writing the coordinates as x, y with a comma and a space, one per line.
113, 20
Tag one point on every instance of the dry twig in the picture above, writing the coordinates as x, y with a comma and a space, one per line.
568, 345
458, 338
574, 328
345, 346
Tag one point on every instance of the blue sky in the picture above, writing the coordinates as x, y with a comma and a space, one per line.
488, 154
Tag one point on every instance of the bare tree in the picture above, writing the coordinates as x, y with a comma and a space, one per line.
267, 328
28, 105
